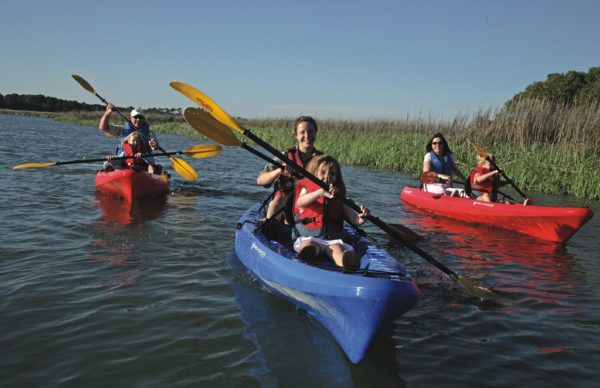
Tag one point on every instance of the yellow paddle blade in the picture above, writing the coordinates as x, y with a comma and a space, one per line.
83, 83
429, 177
210, 127
480, 150
204, 151
33, 165
206, 103
183, 169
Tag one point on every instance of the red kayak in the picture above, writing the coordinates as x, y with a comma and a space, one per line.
557, 224
131, 185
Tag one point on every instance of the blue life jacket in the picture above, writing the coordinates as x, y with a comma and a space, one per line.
443, 165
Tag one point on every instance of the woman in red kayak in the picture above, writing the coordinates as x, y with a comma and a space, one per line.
319, 218
439, 159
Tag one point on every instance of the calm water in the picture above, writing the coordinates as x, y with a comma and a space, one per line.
91, 295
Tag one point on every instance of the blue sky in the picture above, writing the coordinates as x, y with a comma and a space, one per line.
339, 59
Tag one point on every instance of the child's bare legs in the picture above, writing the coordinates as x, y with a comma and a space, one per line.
309, 250
347, 259
484, 197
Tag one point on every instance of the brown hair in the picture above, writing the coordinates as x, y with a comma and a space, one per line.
331, 162
304, 119
446, 146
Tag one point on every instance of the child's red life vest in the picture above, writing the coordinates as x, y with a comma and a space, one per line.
322, 218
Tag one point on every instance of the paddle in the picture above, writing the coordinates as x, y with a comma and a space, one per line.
179, 165
211, 107
197, 151
486, 155
432, 177
219, 132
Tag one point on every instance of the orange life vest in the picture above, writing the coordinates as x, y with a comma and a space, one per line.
487, 186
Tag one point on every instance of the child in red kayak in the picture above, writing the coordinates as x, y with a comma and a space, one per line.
485, 180
319, 217
134, 146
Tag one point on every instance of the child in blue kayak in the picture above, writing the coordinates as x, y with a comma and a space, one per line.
319, 217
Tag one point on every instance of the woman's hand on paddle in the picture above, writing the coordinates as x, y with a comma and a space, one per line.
446, 178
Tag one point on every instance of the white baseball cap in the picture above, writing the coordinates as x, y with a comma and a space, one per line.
137, 112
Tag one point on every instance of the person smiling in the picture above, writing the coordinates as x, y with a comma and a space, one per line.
305, 131
137, 122
439, 159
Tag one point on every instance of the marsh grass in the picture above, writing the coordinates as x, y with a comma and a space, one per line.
542, 147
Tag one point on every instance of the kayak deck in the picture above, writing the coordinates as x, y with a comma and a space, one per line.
550, 223
131, 185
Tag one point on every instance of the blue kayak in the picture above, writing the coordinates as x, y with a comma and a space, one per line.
352, 306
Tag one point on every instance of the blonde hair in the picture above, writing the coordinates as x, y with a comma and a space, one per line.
132, 135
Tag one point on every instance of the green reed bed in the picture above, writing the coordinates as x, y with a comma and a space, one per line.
542, 147
537, 167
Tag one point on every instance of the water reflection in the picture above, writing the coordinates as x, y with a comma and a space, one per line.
119, 238
115, 210
285, 337
527, 269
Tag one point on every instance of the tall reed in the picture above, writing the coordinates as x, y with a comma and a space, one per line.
542, 146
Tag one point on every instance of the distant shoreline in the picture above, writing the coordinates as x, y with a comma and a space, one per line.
563, 165
16, 112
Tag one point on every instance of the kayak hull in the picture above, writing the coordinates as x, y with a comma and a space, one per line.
353, 307
550, 223
131, 185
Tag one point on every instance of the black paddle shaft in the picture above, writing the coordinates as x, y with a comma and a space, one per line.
505, 177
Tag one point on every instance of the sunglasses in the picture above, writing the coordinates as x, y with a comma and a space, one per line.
437, 142
138, 117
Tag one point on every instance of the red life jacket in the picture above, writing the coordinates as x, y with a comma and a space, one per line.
134, 162
285, 183
322, 218
487, 186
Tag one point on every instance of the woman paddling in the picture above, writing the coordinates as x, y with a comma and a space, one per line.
305, 131
439, 159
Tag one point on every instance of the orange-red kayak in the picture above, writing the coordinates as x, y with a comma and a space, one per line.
551, 223
131, 185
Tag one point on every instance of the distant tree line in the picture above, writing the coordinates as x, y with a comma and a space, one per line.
41, 103
569, 89
38, 102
